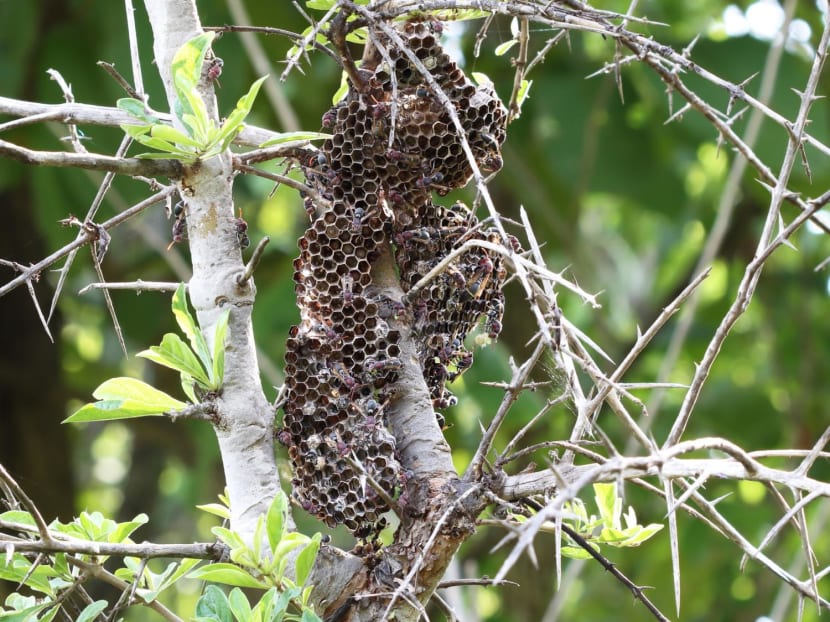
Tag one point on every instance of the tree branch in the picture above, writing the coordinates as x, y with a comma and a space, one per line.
33, 272
93, 162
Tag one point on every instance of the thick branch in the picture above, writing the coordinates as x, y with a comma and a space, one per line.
92, 161
145, 550
527, 484
87, 114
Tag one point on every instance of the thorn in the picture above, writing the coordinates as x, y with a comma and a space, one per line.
738, 91
678, 115
764, 185
687, 51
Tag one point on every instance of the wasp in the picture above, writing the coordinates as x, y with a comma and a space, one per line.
179, 230
493, 321
241, 228
377, 368
447, 400
395, 196
215, 70
435, 179
345, 377
402, 156
380, 112
347, 281
387, 307
284, 437
329, 117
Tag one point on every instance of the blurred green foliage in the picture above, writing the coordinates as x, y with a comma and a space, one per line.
620, 199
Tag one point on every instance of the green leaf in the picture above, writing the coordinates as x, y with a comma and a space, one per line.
18, 516
575, 552
481, 78
289, 137
217, 509
188, 60
16, 570
158, 582
122, 398
284, 601
123, 530
310, 616
156, 143
183, 567
635, 536
95, 525
227, 574
231, 538
289, 542
135, 390
193, 112
28, 614
92, 610
502, 49
220, 331
136, 108
188, 386
181, 156
134, 131
189, 327
524, 92
608, 504
275, 519
213, 605
305, 560
233, 124
459, 15
359, 36
176, 354
173, 135
341, 91
240, 607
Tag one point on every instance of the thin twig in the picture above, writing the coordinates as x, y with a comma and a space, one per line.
252, 264
635, 589
23, 498
99, 572
34, 270
135, 58
138, 286
520, 376
122, 82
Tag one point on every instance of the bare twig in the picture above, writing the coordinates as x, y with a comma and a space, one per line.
34, 270
252, 264
19, 494
122, 82
138, 286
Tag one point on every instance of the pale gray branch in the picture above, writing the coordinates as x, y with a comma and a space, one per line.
92, 161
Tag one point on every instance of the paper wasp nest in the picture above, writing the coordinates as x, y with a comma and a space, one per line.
342, 360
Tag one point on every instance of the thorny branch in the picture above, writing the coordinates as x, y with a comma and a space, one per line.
592, 389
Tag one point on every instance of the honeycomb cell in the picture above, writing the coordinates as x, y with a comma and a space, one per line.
343, 357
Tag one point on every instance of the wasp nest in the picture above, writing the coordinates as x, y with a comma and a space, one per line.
342, 360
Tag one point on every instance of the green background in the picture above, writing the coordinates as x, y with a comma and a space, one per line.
620, 199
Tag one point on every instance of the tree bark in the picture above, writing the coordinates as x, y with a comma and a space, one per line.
245, 426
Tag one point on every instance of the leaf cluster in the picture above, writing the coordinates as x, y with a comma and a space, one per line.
53, 578
201, 138
261, 564
201, 369
611, 527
